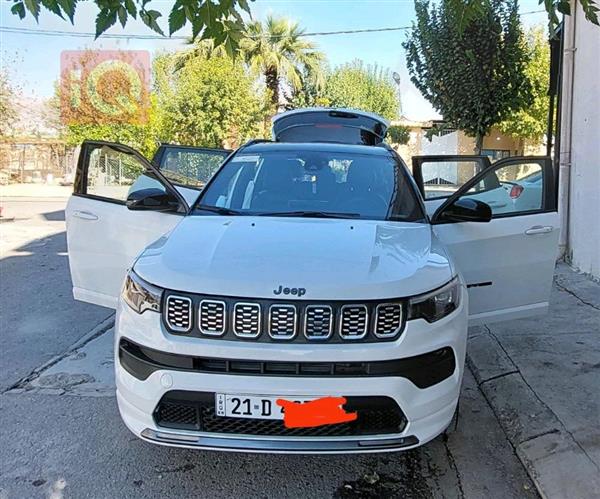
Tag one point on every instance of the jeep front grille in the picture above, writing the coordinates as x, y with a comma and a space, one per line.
179, 313
388, 319
212, 317
246, 320
354, 322
282, 321
297, 321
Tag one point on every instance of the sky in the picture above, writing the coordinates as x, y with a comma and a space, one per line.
33, 60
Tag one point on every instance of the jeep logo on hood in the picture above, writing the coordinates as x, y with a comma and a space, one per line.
289, 291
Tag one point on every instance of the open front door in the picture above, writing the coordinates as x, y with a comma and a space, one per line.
508, 262
104, 235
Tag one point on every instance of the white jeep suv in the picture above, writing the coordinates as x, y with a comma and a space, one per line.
309, 269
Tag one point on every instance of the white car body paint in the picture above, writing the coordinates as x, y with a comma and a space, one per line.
505, 265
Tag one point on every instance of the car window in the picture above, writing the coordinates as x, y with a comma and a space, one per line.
112, 173
332, 183
519, 189
190, 167
441, 179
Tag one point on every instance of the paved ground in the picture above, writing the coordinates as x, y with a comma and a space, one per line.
38, 317
542, 378
62, 437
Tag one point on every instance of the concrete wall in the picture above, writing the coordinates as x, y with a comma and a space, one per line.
580, 154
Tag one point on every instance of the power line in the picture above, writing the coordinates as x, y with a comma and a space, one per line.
42, 32
80, 34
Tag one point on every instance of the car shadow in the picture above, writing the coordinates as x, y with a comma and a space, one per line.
39, 317
55, 216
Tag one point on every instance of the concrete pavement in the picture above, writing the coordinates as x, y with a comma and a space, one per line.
542, 378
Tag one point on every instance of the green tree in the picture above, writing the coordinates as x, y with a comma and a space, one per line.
277, 50
531, 122
141, 136
357, 86
475, 78
209, 102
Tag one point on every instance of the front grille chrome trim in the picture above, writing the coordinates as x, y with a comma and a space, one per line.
330, 330
175, 327
400, 320
242, 334
213, 332
352, 337
294, 327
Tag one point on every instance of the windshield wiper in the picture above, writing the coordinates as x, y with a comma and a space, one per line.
310, 214
218, 209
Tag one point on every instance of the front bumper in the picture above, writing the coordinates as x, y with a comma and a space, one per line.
428, 411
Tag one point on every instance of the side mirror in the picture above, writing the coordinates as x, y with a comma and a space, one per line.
152, 199
467, 209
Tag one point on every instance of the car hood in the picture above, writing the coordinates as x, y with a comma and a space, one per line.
335, 259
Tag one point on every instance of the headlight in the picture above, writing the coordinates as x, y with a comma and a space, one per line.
140, 295
436, 304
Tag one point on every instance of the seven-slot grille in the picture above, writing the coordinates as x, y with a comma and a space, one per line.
246, 320
282, 321
318, 321
267, 320
354, 322
388, 319
212, 317
179, 313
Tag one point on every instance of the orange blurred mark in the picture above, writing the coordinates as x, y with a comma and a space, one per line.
319, 412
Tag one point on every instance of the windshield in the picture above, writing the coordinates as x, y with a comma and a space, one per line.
312, 183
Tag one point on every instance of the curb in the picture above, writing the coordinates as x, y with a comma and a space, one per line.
554, 461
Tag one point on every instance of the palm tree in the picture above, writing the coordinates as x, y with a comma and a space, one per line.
277, 50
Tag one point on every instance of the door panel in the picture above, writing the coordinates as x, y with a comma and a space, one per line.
507, 263
104, 239
508, 272
103, 235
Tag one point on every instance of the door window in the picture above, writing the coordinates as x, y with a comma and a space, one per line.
514, 188
112, 174
441, 179
190, 167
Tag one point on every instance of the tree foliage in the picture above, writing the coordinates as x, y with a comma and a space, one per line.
531, 122
363, 87
277, 50
209, 102
475, 77
220, 21
398, 134
141, 136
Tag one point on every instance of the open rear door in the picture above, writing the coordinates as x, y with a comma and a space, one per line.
508, 262
104, 237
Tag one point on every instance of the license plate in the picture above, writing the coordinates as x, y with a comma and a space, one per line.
251, 406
